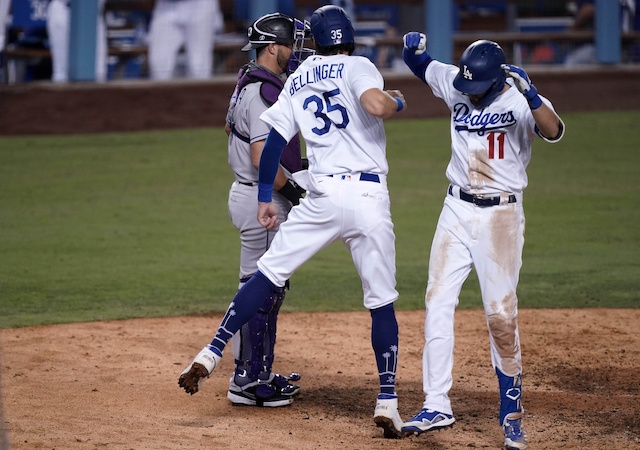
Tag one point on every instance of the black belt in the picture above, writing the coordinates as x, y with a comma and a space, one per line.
481, 201
247, 184
363, 177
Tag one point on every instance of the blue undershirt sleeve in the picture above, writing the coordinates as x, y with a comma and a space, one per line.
417, 63
269, 162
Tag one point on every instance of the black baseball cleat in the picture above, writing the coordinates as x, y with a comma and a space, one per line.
258, 393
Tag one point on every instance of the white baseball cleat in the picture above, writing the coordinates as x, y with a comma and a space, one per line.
386, 416
199, 370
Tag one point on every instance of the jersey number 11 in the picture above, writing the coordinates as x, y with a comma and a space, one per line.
493, 138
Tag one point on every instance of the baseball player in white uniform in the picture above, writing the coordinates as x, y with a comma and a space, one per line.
4, 13
177, 23
279, 44
337, 102
493, 123
58, 29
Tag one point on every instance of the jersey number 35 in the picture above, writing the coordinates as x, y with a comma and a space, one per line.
326, 105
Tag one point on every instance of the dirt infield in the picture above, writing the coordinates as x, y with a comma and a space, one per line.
131, 106
113, 385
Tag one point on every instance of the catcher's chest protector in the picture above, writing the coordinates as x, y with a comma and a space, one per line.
270, 88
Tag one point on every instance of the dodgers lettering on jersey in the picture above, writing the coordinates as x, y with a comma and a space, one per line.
319, 73
467, 119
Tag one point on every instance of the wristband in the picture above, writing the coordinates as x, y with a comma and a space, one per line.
532, 97
400, 104
264, 192
535, 102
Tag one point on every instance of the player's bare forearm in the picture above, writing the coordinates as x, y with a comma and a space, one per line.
548, 122
382, 104
268, 215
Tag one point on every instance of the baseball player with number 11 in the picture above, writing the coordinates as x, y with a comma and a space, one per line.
337, 102
493, 123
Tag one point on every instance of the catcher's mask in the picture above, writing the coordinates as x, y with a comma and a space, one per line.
330, 26
480, 72
302, 34
279, 28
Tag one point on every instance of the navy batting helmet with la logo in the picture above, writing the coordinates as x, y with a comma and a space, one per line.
480, 70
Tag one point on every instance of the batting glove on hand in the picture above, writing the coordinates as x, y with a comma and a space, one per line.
415, 41
523, 84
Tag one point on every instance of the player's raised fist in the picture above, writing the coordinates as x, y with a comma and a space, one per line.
415, 41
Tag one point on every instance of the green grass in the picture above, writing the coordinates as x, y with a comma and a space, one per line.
127, 225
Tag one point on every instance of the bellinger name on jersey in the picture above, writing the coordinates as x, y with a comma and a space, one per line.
319, 73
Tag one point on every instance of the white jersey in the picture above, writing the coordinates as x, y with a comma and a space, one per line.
491, 148
318, 101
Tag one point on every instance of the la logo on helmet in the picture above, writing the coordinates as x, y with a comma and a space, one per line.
466, 73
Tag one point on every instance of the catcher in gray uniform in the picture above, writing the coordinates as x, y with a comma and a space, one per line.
278, 41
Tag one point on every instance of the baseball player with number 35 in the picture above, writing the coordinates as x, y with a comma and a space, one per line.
495, 114
337, 102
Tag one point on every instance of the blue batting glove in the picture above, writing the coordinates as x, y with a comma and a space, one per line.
415, 41
523, 84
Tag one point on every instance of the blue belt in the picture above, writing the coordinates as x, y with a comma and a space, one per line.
481, 201
363, 177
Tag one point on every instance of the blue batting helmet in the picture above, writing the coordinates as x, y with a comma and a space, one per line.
480, 71
330, 26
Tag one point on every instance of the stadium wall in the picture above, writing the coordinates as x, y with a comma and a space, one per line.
45, 108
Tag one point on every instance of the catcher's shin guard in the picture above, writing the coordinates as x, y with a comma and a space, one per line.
257, 341
270, 335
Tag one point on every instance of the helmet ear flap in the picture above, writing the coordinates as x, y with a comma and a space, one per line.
492, 93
